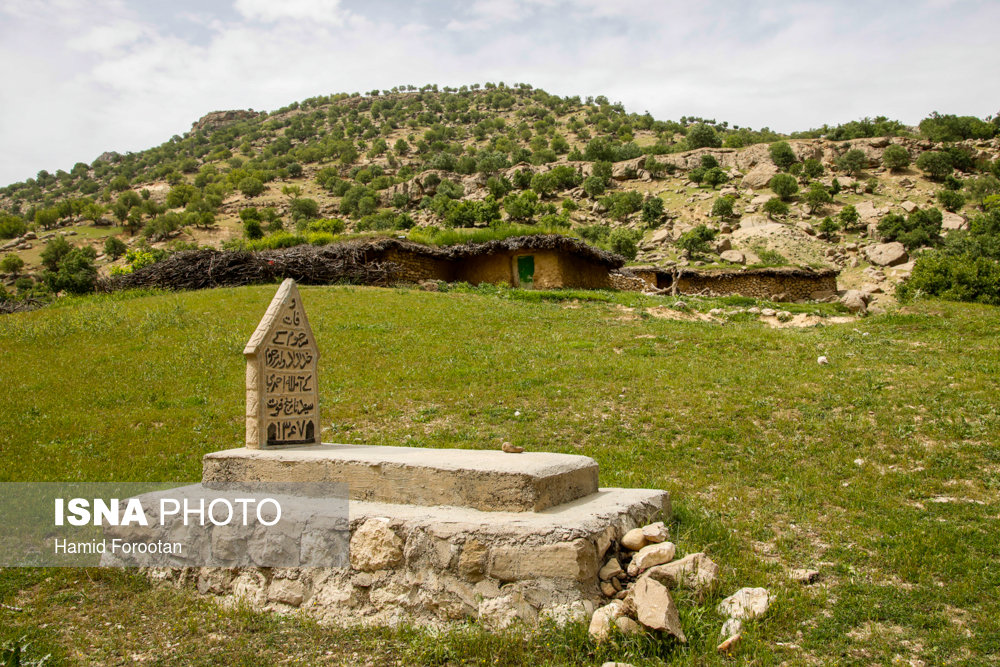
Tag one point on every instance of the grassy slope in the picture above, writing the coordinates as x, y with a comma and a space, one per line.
775, 462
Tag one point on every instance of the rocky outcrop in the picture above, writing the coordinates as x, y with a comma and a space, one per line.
216, 119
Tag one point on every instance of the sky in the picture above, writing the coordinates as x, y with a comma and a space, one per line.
78, 78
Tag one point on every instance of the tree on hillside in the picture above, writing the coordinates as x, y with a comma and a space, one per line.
114, 247
895, 158
12, 264
784, 185
817, 197
701, 135
696, 241
936, 164
853, 161
782, 154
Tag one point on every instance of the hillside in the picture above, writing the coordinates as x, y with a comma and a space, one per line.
878, 470
405, 160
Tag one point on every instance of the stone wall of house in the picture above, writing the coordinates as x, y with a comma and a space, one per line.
780, 287
415, 268
579, 272
630, 283
497, 269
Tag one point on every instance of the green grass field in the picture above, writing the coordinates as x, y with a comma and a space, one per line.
881, 470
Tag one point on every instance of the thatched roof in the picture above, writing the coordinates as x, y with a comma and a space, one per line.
359, 261
553, 242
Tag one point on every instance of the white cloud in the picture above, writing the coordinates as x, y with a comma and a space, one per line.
271, 11
85, 80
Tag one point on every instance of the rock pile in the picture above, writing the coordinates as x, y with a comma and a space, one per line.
639, 579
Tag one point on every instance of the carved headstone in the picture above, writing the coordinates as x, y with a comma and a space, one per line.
282, 390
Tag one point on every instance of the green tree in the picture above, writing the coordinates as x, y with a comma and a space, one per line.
696, 241
114, 247
828, 227
782, 154
252, 229
723, 207
920, 228
774, 206
624, 242
817, 196
715, 177
950, 200
848, 216
812, 169
701, 135
54, 252
12, 264
652, 210
76, 272
895, 158
936, 164
46, 218
594, 186
521, 207
853, 161
784, 185
303, 208
251, 187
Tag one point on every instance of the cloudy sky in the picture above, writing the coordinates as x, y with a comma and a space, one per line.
78, 77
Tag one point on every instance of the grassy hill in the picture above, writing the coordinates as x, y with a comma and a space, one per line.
880, 469
411, 161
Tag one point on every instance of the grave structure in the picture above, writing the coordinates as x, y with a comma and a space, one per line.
435, 534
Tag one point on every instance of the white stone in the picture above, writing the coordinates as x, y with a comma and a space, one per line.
634, 539
655, 532
732, 627
887, 254
695, 570
648, 556
655, 609
611, 569
600, 622
734, 256
746, 603
374, 546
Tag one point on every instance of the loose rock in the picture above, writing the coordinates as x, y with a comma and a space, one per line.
648, 556
512, 449
732, 626
727, 646
745, 604
610, 570
634, 539
655, 609
804, 576
600, 622
655, 532
696, 571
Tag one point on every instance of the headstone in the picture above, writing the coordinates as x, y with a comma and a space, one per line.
282, 390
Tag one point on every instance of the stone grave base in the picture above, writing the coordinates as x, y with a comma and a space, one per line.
430, 564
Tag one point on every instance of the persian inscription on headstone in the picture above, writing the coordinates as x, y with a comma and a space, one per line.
282, 392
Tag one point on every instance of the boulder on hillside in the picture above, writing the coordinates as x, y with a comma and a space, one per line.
887, 254
950, 221
759, 176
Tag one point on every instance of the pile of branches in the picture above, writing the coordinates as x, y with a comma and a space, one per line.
200, 269
8, 306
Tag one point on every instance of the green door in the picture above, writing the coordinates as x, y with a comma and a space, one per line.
526, 270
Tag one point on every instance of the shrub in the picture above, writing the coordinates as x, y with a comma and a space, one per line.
652, 210
817, 196
922, 227
701, 135
76, 272
848, 216
723, 207
812, 168
828, 227
853, 161
252, 230
328, 225
784, 185
774, 206
695, 241
12, 264
782, 154
251, 187
114, 247
895, 158
595, 233
769, 257
715, 177
936, 164
11, 226
956, 277
624, 242
709, 162
950, 200
54, 252
982, 187
521, 207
